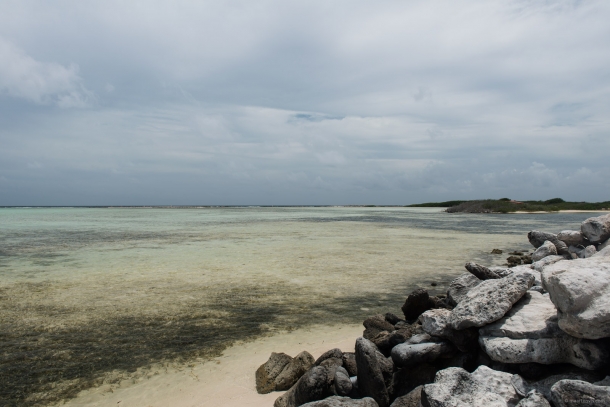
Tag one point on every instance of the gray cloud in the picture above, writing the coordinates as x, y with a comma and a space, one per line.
303, 102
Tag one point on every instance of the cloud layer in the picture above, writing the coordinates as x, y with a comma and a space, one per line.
303, 102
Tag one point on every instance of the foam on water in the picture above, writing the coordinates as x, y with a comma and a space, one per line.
95, 297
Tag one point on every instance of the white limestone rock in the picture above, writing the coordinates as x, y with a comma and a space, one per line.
490, 300
580, 290
541, 264
572, 238
597, 229
406, 354
546, 249
524, 387
532, 317
563, 349
460, 286
570, 393
534, 399
530, 333
605, 252
454, 387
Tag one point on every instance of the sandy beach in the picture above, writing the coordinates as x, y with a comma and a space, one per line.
226, 381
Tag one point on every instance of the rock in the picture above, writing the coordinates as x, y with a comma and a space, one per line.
589, 251
375, 325
568, 393
293, 371
460, 286
333, 353
596, 230
408, 355
411, 399
314, 385
538, 238
496, 251
336, 401
546, 249
269, 371
501, 271
605, 252
580, 290
524, 269
455, 387
481, 272
524, 387
349, 363
392, 319
385, 341
541, 264
421, 338
603, 245
371, 366
532, 317
405, 380
439, 302
563, 349
498, 382
514, 261
489, 301
604, 382
332, 363
572, 238
436, 323
416, 303
534, 399
342, 383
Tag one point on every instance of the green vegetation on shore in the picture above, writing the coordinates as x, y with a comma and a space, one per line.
506, 205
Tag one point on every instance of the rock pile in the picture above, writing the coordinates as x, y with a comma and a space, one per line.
531, 335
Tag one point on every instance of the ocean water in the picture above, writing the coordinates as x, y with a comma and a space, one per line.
96, 296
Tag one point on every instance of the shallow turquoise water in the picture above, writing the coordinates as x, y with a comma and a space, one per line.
88, 292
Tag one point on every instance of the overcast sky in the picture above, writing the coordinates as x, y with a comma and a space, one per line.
303, 102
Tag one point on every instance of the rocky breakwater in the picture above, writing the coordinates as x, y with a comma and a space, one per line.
523, 336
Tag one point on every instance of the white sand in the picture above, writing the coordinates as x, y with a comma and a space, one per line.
227, 381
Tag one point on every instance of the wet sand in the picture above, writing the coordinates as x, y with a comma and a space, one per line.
226, 381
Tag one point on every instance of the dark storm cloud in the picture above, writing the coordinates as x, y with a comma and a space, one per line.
302, 102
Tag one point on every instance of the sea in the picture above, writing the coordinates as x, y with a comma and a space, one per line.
92, 296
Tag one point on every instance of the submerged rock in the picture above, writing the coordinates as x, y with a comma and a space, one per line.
489, 301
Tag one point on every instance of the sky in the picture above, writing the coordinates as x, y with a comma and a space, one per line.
303, 102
